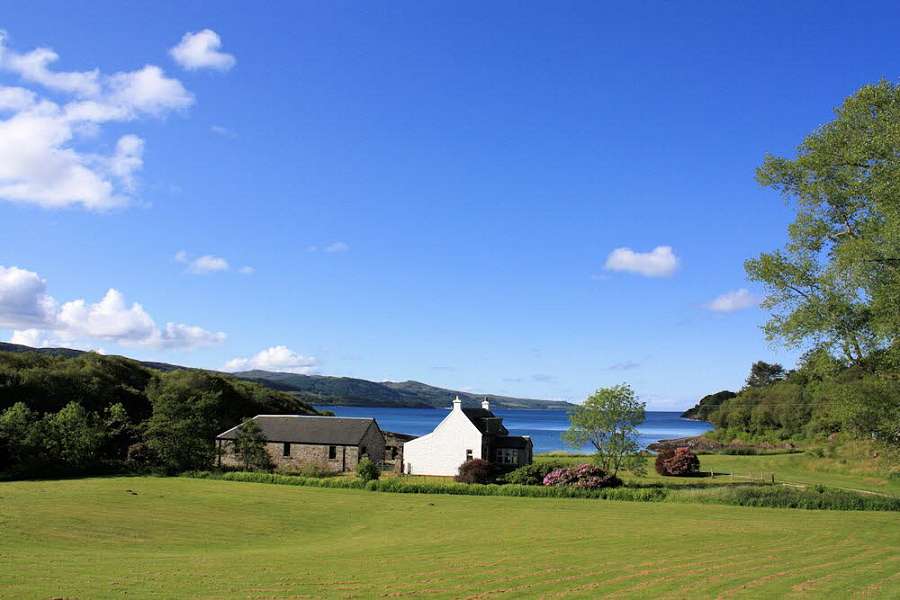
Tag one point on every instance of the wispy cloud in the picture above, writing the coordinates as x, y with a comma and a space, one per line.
733, 301
208, 263
222, 131
332, 248
626, 365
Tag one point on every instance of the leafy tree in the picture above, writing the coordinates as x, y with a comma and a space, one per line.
16, 441
73, 436
763, 374
250, 447
608, 420
837, 281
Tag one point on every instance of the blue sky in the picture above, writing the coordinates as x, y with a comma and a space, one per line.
430, 191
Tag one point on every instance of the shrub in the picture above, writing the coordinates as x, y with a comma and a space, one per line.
366, 470
684, 462
662, 456
585, 476
475, 471
678, 462
532, 474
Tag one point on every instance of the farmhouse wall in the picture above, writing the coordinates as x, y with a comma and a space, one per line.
444, 449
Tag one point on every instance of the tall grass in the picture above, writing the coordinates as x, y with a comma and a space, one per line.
816, 498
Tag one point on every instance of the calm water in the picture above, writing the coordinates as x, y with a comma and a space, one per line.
544, 426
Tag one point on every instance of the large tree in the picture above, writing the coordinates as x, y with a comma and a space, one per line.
608, 420
836, 283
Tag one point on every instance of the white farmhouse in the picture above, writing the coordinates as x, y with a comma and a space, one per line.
465, 434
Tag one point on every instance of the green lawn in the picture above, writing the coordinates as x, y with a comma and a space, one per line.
794, 468
186, 538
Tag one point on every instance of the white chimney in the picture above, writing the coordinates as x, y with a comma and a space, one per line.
457, 403
485, 404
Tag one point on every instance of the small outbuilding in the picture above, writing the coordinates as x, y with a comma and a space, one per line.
333, 444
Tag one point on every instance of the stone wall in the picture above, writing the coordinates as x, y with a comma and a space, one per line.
305, 455
301, 455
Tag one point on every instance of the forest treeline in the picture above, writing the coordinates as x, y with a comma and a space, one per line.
95, 413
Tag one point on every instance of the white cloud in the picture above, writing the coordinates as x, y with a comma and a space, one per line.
37, 319
35, 338
16, 98
200, 50
733, 301
203, 265
276, 358
247, 270
34, 67
41, 161
148, 90
23, 299
659, 262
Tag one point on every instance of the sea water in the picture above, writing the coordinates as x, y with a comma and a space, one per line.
544, 426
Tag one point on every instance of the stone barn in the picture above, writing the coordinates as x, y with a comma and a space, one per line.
333, 444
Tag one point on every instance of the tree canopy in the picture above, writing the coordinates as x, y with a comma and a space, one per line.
608, 420
836, 283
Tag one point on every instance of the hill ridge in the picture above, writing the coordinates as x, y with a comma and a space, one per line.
335, 390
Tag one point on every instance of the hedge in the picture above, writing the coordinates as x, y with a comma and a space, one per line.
398, 486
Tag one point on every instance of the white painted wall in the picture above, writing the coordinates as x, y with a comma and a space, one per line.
444, 449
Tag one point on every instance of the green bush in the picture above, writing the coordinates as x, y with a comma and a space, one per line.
476, 471
532, 474
366, 470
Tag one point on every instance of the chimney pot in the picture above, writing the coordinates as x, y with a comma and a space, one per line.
485, 404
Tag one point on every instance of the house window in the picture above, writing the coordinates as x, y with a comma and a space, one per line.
332, 452
507, 456
468, 455
286, 449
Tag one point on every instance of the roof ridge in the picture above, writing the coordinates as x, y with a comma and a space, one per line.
319, 417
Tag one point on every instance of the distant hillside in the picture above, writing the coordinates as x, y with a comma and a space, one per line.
70, 352
347, 391
343, 391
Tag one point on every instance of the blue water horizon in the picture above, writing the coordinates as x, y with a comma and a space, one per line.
545, 427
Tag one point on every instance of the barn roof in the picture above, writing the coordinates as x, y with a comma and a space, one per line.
304, 429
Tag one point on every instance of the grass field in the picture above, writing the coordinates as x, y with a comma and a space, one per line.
173, 537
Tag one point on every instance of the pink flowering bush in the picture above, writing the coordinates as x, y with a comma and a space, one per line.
589, 477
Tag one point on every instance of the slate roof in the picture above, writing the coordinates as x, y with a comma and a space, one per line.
303, 429
512, 441
486, 421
